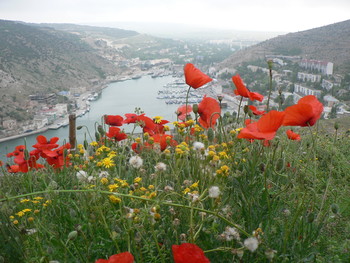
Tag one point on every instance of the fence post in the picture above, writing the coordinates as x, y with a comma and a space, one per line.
72, 131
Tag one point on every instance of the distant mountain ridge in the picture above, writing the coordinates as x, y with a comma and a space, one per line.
329, 43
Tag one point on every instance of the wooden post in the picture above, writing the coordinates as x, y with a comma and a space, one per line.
72, 131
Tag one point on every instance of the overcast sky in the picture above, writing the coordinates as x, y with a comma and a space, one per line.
254, 15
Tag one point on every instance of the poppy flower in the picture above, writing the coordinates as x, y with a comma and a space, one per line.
189, 253
114, 120
125, 257
305, 113
44, 146
255, 110
131, 118
24, 162
206, 109
60, 158
243, 91
265, 128
293, 136
114, 133
182, 112
194, 77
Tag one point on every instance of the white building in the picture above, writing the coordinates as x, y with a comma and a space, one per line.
40, 121
326, 84
309, 77
330, 100
306, 90
324, 67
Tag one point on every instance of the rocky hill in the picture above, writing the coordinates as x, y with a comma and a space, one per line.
329, 43
41, 59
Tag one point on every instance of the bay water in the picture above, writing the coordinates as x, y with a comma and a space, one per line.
116, 99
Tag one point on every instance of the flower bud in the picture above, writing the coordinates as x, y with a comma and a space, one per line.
210, 134
336, 125
72, 235
195, 108
100, 129
97, 136
246, 109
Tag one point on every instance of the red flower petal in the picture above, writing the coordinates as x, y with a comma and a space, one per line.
306, 112
114, 120
293, 136
189, 253
194, 77
206, 109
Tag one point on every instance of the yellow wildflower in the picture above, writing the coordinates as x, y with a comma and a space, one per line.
20, 214
114, 199
24, 200
15, 222
108, 162
157, 119
195, 185
104, 180
38, 198
137, 179
30, 219
187, 190
112, 187
94, 144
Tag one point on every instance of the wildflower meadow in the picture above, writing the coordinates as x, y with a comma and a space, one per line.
252, 186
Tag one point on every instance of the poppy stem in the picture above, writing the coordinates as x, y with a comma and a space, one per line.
269, 63
188, 92
239, 108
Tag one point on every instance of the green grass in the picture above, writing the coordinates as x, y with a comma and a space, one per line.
292, 196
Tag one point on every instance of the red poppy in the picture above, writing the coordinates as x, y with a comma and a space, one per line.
44, 146
255, 110
209, 111
24, 162
293, 136
131, 118
194, 77
61, 157
305, 113
164, 140
189, 253
114, 120
243, 91
182, 112
114, 133
265, 128
125, 257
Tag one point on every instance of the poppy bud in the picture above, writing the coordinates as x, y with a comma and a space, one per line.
72, 235
220, 97
79, 127
195, 108
335, 208
86, 144
100, 129
97, 136
246, 109
336, 125
26, 154
270, 64
210, 134
280, 164
262, 167
310, 218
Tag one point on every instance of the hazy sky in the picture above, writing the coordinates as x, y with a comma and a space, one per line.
260, 15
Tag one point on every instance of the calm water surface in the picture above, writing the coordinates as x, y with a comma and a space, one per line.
117, 99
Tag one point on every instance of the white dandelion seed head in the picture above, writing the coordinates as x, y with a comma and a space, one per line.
136, 161
160, 167
251, 243
198, 146
103, 174
214, 192
82, 175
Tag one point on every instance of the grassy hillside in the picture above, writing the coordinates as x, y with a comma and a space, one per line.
330, 43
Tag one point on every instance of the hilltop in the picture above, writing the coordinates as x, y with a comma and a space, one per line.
328, 43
